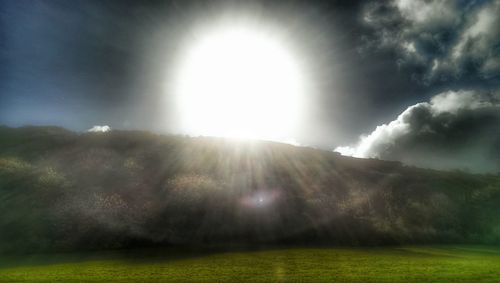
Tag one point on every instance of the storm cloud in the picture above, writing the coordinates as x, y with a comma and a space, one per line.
454, 130
439, 40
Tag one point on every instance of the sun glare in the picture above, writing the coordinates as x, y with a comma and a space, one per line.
242, 83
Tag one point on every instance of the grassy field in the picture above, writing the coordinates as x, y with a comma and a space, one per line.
397, 264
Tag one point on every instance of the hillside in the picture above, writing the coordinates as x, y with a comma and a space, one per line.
61, 190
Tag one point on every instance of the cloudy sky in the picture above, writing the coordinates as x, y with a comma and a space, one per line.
416, 81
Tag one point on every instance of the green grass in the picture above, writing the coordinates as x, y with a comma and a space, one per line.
397, 264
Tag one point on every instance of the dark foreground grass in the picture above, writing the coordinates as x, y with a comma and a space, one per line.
397, 264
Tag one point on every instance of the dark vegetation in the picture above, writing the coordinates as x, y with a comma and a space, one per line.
61, 190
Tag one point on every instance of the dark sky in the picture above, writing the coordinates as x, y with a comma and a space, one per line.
78, 64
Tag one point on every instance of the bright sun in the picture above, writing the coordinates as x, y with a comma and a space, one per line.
241, 83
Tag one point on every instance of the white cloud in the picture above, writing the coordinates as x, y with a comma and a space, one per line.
99, 129
452, 101
455, 129
292, 142
383, 134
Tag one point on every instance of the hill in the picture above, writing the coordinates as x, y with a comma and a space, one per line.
61, 190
